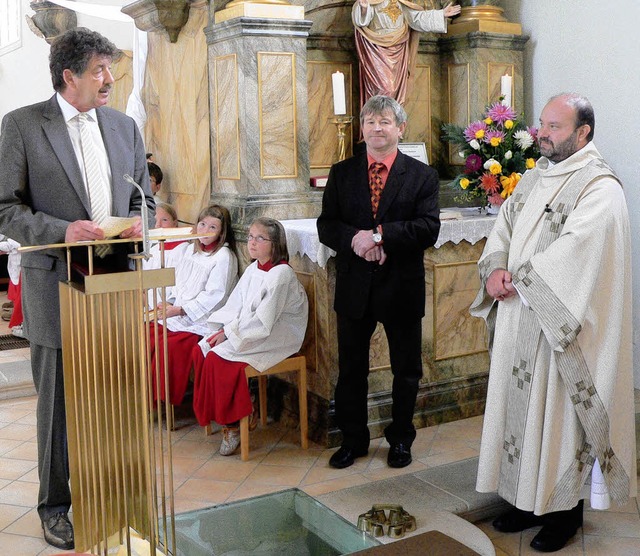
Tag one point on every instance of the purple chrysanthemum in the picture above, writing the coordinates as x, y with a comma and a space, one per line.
472, 164
500, 113
494, 137
475, 130
533, 131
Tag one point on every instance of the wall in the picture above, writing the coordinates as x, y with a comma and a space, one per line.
591, 47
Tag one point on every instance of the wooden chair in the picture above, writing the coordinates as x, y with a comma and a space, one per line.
295, 363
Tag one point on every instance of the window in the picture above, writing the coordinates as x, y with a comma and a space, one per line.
10, 26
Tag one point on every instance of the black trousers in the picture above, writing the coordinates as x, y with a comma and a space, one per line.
354, 339
53, 461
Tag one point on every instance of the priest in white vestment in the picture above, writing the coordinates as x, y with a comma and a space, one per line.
556, 295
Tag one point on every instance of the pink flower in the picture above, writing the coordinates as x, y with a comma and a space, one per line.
495, 199
475, 130
533, 131
494, 137
472, 164
501, 113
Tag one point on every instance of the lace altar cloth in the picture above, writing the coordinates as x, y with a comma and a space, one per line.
469, 225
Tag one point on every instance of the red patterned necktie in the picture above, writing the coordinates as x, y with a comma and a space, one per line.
376, 185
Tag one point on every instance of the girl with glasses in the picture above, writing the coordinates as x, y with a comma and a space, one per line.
262, 323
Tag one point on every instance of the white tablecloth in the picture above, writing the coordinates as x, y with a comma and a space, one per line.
302, 235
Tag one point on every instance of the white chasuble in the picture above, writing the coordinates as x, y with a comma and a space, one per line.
560, 393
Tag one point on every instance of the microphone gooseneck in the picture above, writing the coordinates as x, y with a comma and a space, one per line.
144, 215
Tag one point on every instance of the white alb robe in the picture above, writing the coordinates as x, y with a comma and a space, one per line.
549, 416
204, 282
264, 319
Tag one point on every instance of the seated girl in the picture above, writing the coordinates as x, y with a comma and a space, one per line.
166, 217
206, 272
263, 322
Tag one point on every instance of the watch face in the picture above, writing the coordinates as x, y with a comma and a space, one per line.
377, 238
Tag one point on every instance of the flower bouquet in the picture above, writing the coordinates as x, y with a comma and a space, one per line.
497, 151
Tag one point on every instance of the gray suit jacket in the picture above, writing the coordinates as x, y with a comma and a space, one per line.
42, 192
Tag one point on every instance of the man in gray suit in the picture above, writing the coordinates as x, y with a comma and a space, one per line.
45, 198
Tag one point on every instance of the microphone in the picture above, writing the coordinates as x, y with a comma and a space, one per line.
547, 208
143, 215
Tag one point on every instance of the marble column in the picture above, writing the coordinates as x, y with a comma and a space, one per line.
259, 114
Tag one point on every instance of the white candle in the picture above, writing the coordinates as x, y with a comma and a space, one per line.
339, 100
505, 89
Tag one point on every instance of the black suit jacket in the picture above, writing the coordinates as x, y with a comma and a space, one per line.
409, 215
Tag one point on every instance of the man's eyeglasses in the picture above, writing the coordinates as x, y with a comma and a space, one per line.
258, 239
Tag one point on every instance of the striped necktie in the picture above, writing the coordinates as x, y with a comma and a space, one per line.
375, 185
96, 180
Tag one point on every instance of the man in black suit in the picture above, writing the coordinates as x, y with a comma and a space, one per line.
379, 213
46, 198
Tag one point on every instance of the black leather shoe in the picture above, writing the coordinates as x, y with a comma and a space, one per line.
558, 529
399, 455
58, 531
345, 456
516, 520
553, 537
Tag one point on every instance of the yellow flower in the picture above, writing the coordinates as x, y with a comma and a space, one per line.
509, 184
464, 183
495, 141
488, 121
480, 134
495, 168
508, 124
530, 163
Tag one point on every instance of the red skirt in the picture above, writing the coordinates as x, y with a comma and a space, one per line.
179, 346
14, 294
220, 390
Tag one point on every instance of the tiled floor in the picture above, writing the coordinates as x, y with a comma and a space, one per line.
203, 478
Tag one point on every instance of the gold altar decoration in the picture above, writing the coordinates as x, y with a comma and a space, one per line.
120, 449
342, 123
486, 18
264, 9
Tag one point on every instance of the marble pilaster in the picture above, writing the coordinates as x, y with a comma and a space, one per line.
258, 122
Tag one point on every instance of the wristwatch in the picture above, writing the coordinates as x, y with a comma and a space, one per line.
377, 237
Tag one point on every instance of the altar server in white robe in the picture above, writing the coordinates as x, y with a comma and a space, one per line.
263, 322
556, 295
206, 271
166, 217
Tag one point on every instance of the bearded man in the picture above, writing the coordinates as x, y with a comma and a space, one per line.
556, 296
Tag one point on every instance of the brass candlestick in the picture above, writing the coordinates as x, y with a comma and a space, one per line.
341, 123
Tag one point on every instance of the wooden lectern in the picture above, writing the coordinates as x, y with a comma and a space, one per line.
120, 453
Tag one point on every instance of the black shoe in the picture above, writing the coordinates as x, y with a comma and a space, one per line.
558, 529
553, 537
345, 457
399, 455
516, 520
58, 531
